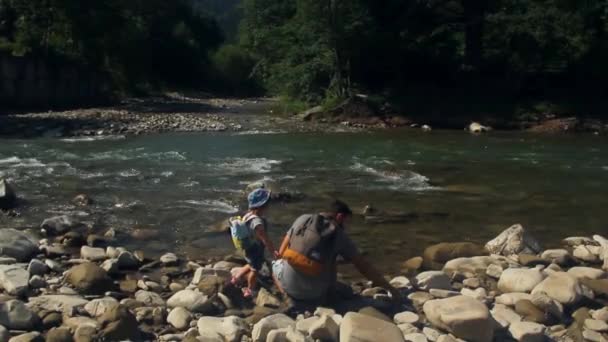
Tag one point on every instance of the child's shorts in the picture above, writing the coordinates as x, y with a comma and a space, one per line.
254, 256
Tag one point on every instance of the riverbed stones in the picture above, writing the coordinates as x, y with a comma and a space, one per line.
4, 334
58, 303
437, 255
15, 315
559, 256
363, 328
415, 337
562, 287
14, 279
118, 323
603, 242
432, 280
514, 240
88, 278
59, 335
324, 329
530, 312
37, 267
267, 299
547, 304
179, 318
59, 225
596, 325
228, 329
527, 331
192, 300
601, 314
98, 307
169, 259
586, 253
463, 316
92, 253
472, 267
504, 315
127, 261
519, 280
149, 298
8, 197
28, 337
17, 244
406, 317
267, 324
588, 272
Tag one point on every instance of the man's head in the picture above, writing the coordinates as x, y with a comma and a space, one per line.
340, 211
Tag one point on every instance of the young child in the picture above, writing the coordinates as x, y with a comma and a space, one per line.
254, 254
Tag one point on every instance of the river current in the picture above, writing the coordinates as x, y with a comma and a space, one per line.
427, 188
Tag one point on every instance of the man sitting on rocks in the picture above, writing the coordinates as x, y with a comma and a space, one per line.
307, 270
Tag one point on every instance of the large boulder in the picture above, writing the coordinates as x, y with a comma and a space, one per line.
228, 329
463, 316
514, 240
15, 315
14, 279
267, 324
59, 225
519, 280
363, 328
16, 244
88, 278
561, 286
437, 255
8, 198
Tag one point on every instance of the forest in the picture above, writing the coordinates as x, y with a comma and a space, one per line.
322, 51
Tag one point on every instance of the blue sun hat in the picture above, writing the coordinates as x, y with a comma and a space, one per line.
258, 198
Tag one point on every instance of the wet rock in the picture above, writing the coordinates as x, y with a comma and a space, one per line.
118, 323
92, 254
82, 200
363, 328
16, 244
229, 329
89, 278
179, 318
465, 317
267, 324
514, 240
14, 279
520, 280
194, 301
406, 317
37, 267
437, 255
15, 315
527, 331
59, 335
59, 225
127, 261
98, 307
562, 287
432, 280
149, 298
58, 303
325, 329
8, 197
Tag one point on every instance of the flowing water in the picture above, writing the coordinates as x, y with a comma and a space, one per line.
429, 188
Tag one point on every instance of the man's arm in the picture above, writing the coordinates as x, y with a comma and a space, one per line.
284, 245
371, 273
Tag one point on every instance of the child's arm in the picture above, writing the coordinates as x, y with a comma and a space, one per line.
260, 233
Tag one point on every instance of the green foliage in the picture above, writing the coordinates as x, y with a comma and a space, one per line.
233, 65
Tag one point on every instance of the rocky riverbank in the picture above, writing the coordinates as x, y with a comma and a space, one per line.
73, 285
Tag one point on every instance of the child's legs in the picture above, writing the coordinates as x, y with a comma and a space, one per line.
244, 270
252, 277
255, 260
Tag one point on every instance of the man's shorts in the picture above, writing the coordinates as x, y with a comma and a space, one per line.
254, 256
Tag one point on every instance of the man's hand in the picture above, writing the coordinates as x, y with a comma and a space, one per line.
277, 255
395, 295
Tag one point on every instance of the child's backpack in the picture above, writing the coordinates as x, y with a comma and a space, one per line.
242, 235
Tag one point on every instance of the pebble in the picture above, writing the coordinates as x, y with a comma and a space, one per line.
472, 283
596, 325
406, 317
169, 259
601, 314
431, 334
593, 336
494, 271
415, 337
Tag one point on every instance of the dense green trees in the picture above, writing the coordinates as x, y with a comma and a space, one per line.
314, 50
